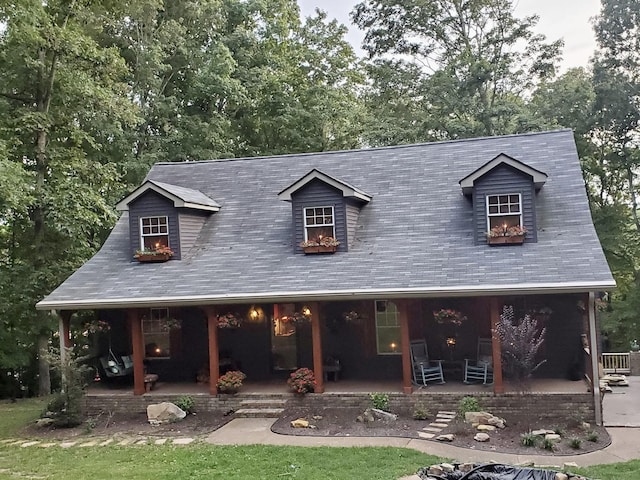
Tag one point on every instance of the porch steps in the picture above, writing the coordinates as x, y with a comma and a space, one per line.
261, 408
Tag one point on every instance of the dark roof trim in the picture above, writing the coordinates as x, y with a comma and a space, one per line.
539, 178
180, 196
347, 190
361, 294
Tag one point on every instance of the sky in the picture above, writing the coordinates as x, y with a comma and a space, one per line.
566, 19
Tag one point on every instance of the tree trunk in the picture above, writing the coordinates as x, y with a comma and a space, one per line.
44, 378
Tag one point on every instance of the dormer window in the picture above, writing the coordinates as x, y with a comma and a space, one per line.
154, 232
504, 211
318, 223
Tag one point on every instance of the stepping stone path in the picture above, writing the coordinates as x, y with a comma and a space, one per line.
98, 442
442, 420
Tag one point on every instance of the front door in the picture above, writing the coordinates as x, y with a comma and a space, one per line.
284, 342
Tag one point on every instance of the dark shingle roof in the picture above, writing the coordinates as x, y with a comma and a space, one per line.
415, 237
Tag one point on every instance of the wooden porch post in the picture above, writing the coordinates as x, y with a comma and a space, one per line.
498, 385
65, 329
595, 355
214, 354
316, 336
135, 324
403, 311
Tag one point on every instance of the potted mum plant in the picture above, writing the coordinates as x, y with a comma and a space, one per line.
302, 381
320, 245
159, 254
504, 235
231, 381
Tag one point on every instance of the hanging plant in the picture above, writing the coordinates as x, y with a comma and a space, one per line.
229, 320
448, 316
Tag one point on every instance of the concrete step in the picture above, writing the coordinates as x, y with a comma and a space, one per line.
263, 403
259, 412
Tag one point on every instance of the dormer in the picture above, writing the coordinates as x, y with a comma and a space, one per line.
166, 215
503, 193
324, 206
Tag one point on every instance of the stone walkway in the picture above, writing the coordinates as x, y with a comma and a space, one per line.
441, 422
119, 440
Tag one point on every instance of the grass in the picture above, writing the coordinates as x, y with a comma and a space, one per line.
14, 416
210, 462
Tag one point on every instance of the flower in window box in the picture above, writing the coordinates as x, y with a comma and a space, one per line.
449, 316
505, 231
158, 254
320, 245
229, 320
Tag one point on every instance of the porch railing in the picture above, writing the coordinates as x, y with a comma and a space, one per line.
616, 363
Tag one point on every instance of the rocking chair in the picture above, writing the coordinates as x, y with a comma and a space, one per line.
480, 370
424, 370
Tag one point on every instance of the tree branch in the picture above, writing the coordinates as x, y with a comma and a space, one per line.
20, 98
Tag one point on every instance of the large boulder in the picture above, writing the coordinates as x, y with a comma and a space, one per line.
165, 412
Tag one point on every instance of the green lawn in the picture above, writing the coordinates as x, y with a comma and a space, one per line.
218, 462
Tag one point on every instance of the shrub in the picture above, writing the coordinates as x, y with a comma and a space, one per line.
528, 439
302, 381
592, 436
548, 444
379, 401
558, 431
231, 381
185, 403
420, 412
468, 404
575, 443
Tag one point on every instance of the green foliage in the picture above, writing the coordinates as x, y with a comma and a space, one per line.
186, 403
468, 404
379, 401
65, 406
575, 443
529, 439
592, 436
548, 444
420, 411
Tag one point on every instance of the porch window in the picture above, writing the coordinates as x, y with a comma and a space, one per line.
504, 210
156, 333
154, 232
318, 223
387, 328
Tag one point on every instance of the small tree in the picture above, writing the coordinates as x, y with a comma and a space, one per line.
65, 406
520, 341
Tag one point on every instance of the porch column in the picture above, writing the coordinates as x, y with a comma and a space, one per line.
64, 332
498, 386
595, 355
214, 354
316, 337
403, 311
135, 325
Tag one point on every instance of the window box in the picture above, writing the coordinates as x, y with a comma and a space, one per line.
320, 249
153, 257
512, 240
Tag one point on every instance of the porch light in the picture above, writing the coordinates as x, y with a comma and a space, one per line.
306, 311
256, 314
451, 341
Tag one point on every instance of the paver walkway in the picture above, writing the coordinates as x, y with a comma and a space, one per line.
621, 405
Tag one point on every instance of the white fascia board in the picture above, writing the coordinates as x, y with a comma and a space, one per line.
539, 178
328, 295
123, 205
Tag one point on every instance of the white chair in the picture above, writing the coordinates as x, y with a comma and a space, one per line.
424, 370
480, 369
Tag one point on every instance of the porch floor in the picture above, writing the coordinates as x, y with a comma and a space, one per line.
549, 385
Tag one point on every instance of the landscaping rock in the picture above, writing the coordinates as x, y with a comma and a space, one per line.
449, 437
447, 467
435, 470
554, 437
562, 476
569, 465
477, 417
44, 422
481, 437
300, 423
165, 412
542, 432
485, 428
385, 416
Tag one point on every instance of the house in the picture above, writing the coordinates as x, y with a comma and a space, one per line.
410, 226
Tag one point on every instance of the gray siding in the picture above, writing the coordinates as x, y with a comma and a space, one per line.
152, 204
191, 223
318, 194
352, 212
504, 180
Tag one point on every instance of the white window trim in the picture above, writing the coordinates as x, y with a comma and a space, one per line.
375, 310
163, 315
143, 235
332, 225
490, 215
